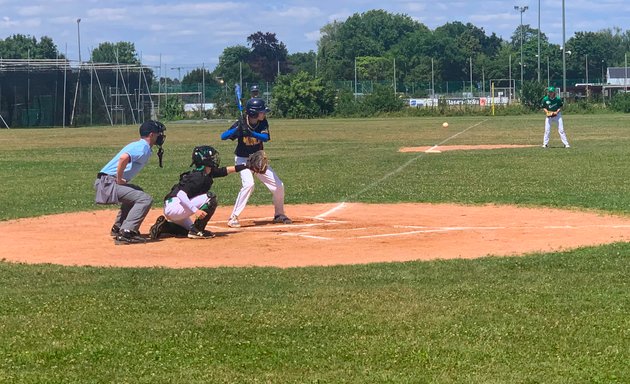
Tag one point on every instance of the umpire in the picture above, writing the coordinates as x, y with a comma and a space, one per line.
112, 183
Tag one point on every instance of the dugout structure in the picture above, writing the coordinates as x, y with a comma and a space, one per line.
60, 93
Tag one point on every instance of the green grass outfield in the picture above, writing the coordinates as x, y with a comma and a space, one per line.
542, 318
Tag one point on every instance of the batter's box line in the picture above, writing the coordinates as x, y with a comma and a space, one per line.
322, 222
310, 236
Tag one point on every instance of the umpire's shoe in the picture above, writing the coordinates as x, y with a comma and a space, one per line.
127, 236
115, 230
157, 228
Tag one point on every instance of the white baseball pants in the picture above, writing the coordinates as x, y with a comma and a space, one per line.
271, 181
178, 214
557, 119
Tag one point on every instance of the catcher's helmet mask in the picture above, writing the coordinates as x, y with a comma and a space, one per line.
256, 105
205, 155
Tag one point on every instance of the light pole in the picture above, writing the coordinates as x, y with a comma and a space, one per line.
564, 56
79, 39
179, 73
586, 69
548, 72
521, 10
539, 41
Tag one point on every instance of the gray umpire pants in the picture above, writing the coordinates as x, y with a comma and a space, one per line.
135, 205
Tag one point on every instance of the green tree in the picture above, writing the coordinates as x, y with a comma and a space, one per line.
382, 100
331, 60
532, 94
233, 64
121, 52
27, 47
198, 76
303, 62
589, 52
267, 56
373, 33
173, 109
302, 96
413, 55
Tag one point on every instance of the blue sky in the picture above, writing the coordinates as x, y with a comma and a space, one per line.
188, 34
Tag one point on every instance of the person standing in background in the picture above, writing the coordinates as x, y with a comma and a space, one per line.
552, 106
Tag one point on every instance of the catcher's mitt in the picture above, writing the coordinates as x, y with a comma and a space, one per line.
258, 162
551, 113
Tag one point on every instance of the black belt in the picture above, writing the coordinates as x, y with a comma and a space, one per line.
101, 174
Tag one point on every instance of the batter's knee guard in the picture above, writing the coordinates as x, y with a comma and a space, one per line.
208, 207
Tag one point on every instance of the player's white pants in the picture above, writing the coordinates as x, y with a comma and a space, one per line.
548, 122
271, 181
178, 214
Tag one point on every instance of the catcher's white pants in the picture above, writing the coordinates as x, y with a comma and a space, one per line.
178, 214
271, 181
548, 122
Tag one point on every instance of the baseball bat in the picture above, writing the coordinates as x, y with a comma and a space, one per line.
237, 90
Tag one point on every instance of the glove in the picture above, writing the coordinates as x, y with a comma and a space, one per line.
257, 162
551, 113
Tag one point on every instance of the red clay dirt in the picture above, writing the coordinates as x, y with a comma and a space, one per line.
322, 234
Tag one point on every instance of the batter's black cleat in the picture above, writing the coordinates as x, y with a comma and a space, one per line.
127, 236
195, 234
157, 228
282, 219
115, 230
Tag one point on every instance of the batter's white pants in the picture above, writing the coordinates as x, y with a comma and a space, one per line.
175, 212
548, 122
271, 181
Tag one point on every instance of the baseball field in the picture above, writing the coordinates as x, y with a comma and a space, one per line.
424, 269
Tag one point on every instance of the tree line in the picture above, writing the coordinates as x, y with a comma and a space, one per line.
380, 46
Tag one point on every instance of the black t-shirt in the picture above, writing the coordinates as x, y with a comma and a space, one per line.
249, 144
196, 182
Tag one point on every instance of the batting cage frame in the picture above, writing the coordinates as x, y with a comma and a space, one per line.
60, 93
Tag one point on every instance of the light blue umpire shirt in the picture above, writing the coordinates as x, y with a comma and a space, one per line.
140, 153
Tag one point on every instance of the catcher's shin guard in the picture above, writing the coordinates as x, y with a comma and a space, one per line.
209, 207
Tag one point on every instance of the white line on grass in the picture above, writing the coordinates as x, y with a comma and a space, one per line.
406, 164
397, 170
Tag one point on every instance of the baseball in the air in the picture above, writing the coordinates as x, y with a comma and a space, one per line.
445, 124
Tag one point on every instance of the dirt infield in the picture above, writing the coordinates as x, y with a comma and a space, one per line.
322, 234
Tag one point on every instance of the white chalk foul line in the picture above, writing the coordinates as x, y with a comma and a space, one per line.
333, 209
423, 229
410, 161
522, 227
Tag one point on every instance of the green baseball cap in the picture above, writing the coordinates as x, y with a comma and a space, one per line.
551, 89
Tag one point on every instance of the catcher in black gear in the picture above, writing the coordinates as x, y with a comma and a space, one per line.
250, 132
191, 197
